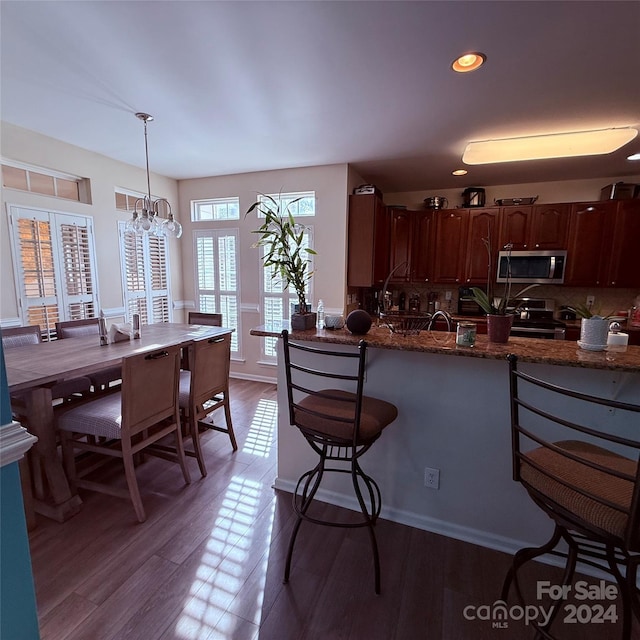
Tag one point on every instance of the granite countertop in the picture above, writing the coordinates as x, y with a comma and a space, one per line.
558, 352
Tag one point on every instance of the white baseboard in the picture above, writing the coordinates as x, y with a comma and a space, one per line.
253, 378
447, 529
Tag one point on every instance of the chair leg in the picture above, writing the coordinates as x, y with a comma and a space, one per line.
628, 590
132, 483
68, 458
523, 556
182, 460
197, 447
306, 499
370, 519
227, 417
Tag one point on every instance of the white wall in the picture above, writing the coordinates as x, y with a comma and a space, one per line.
105, 175
330, 241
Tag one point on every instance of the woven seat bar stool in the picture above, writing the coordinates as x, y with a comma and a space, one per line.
578, 461
326, 403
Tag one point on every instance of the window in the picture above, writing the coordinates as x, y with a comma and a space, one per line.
215, 209
277, 302
44, 182
217, 290
145, 276
54, 266
302, 203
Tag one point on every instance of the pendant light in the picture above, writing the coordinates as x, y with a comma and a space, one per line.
146, 212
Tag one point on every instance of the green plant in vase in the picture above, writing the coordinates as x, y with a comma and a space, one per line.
285, 252
499, 314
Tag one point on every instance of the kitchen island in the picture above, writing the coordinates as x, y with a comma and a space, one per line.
453, 405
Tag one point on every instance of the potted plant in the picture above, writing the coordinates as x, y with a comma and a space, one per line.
594, 328
499, 315
499, 321
284, 251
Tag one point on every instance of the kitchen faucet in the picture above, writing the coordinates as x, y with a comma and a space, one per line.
445, 314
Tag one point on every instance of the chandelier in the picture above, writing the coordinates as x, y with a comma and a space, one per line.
146, 211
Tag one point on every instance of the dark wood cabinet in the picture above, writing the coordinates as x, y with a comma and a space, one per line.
449, 241
542, 226
483, 225
589, 235
422, 246
410, 245
368, 241
624, 264
400, 245
550, 226
516, 227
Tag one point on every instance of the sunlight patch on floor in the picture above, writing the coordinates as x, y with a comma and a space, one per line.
262, 430
230, 553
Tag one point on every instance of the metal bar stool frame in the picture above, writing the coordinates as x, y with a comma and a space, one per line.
332, 448
586, 542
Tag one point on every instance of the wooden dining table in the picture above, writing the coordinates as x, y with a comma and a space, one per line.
32, 370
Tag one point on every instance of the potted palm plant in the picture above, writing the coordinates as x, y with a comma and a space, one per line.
284, 251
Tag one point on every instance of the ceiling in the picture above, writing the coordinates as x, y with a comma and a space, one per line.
250, 86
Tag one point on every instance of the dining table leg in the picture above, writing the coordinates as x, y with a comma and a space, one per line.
58, 503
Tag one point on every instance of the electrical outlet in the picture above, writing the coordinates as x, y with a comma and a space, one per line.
447, 295
590, 301
432, 478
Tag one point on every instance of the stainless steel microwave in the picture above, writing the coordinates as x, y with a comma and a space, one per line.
532, 267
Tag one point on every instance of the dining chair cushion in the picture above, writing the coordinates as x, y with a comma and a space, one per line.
376, 415
79, 331
100, 417
602, 485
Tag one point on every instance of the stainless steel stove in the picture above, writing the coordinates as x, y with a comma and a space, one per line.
534, 319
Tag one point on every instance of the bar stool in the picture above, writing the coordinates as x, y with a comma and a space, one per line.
340, 424
586, 480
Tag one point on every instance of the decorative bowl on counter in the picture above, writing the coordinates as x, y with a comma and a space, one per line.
405, 323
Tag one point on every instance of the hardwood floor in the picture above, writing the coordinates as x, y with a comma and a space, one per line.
208, 562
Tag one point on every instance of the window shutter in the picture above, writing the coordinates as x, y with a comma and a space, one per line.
217, 277
145, 274
54, 266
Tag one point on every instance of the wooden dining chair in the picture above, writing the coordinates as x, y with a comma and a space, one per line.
101, 380
126, 422
205, 388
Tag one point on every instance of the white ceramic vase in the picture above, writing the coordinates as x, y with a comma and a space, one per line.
593, 333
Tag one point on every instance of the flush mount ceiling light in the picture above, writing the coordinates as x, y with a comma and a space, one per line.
468, 62
459, 172
146, 212
555, 145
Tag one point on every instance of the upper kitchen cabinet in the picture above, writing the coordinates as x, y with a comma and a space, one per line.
449, 241
410, 245
624, 269
483, 224
542, 226
368, 241
400, 244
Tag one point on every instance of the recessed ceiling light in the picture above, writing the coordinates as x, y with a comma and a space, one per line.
468, 62
556, 145
635, 156
459, 172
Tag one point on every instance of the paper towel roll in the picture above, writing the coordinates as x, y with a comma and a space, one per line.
617, 339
